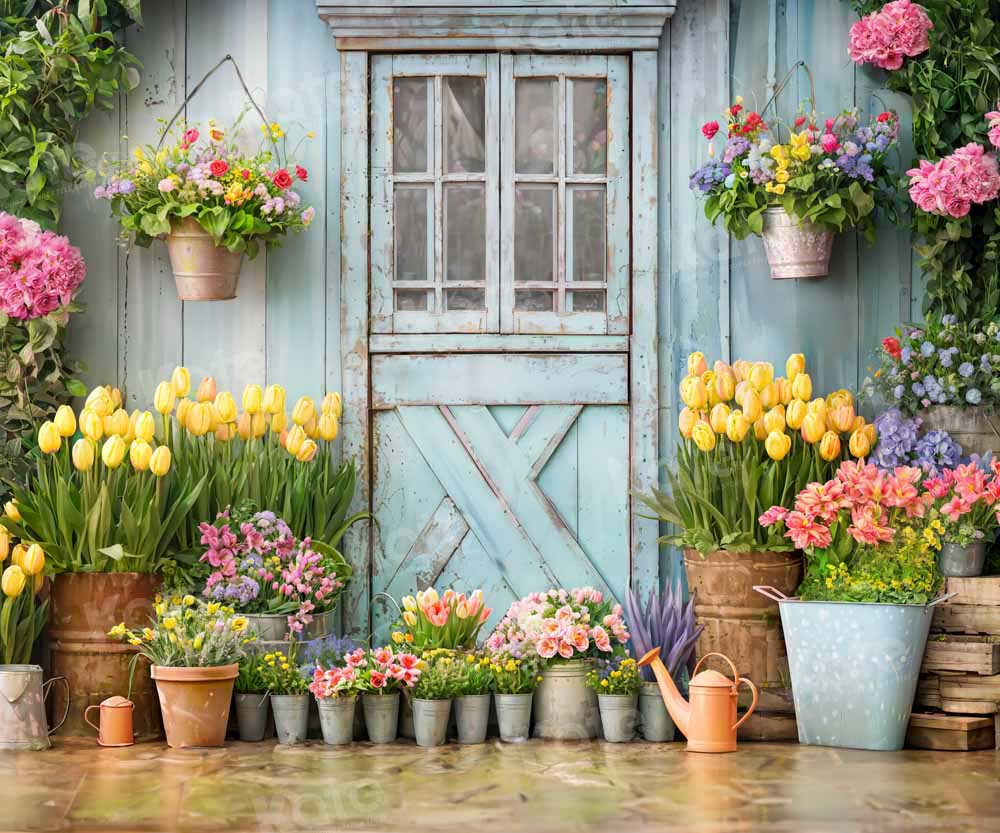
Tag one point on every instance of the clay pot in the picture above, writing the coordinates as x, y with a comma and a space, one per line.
202, 270
195, 703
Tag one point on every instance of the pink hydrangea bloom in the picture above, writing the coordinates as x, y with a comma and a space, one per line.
951, 186
884, 38
993, 118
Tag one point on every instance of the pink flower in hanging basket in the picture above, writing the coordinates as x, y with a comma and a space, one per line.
884, 38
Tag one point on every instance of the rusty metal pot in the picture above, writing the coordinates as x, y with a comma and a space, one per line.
84, 607
794, 249
202, 270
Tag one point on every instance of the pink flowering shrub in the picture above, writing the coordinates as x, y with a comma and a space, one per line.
993, 119
40, 271
952, 185
968, 501
560, 624
884, 38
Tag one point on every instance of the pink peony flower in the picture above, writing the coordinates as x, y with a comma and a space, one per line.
884, 38
822, 500
952, 185
566, 650
773, 516
805, 532
829, 142
601, 639
547, 647
377, 680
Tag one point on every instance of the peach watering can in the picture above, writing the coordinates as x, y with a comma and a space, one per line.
115, 720
709, 720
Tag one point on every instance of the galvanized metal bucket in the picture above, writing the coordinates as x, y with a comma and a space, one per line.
202, 270
618, 716
430, 721
251, 716
273, 628
854, 668
513, 716
655, 723
472, 717
565, 707
336, 718
22, 707
794, 249
962, 561
381, 716
291, 717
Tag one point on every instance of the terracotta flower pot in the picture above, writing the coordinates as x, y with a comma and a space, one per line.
202, 270
195, 703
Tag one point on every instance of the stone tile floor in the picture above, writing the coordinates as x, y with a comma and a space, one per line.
535, 787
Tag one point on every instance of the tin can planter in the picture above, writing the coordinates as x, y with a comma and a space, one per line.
23, 724
381, 716
430, 721
274, 628
251, 716
794, 249
618, 716
977, 429
195, 703
291, 717
655, 723
202, 270
565, 708
472, 717
514, 716
962, 561
854, 668
336, 719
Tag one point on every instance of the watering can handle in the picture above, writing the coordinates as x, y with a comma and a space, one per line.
771, 593
736, 674
753, 704
46, 688
87, 720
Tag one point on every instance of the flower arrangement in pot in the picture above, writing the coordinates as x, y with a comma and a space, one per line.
433, 695
383, 673
251, 699
336, 684
566, 630
616, 682
472, 697
827, 177
194, 649
448, 620
289, 693
212, 203
515, 679
863, 610
965, 502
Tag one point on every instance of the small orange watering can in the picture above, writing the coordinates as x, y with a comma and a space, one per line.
709, 720
115, 720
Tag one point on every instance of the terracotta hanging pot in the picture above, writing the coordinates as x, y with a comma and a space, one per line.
195, 703
202, 270
794, 249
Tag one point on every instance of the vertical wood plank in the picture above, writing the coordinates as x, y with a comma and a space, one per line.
644, 447
354, 323
228, 338
618, 300
332, 230
382, 245
492, 126
507, 87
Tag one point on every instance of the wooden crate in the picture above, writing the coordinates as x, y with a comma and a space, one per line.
982, 590
769, 726
950, 732
966, 618
959, 652
928, 691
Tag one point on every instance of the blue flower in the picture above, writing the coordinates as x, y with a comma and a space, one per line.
926, 349
949, 319
965, 370
984, 361
906, 354
973, 396
944, 356
918, 389
898, 391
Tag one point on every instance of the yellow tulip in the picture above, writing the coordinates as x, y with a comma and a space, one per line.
859, 445
818, 406
305, 410
214, 420
244, 426
761, 375
328, 427
274, 399
252, 398
703, 436
206, 390
829, 446
795, 413
813, 427
717, 418
159, 463
65, 421
741, 368
784, 390
258, 424
92, 425
34, 560
332, 404
769, 396
164, 398
802, 387
708, 380
139, 454
777, 445
4, 543
312, 428
741, 391
774, 421
225, 431
118, 423
794, 365
13, 581
83, 454
870, 432
17, 556
759, 431
840, 397
307, 451
295, 439
226, 406
39, 583
99, 401
113, 451
145, 425
725, 384
752, 406
181, 380
686, 421
49, 440
183, 410
116, 397
279, 422
841, 418
696, 364
199, 419
11, 511
693, 392
737, 426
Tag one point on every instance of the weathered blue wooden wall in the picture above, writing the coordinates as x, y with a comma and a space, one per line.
715, 294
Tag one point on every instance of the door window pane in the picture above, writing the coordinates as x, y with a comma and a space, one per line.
590, 126
587, 230
585, 300
412, 210
534, 232
535, 126
414, 300
464, 124
465, 232
409, 120
464, 299
534, 300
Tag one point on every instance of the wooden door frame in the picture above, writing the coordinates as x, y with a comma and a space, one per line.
619, 32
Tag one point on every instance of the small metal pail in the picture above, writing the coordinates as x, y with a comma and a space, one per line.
22, 707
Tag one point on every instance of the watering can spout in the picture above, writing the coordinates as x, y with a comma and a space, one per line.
679, 708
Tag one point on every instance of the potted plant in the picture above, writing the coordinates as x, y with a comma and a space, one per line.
432, 696
826, 177
472, 697
211, 202
749, 440
965, 501
668, 624
616, 682
289, 692
336, 687
514, 684
857, 631
194, 649
251, 699
383, 675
